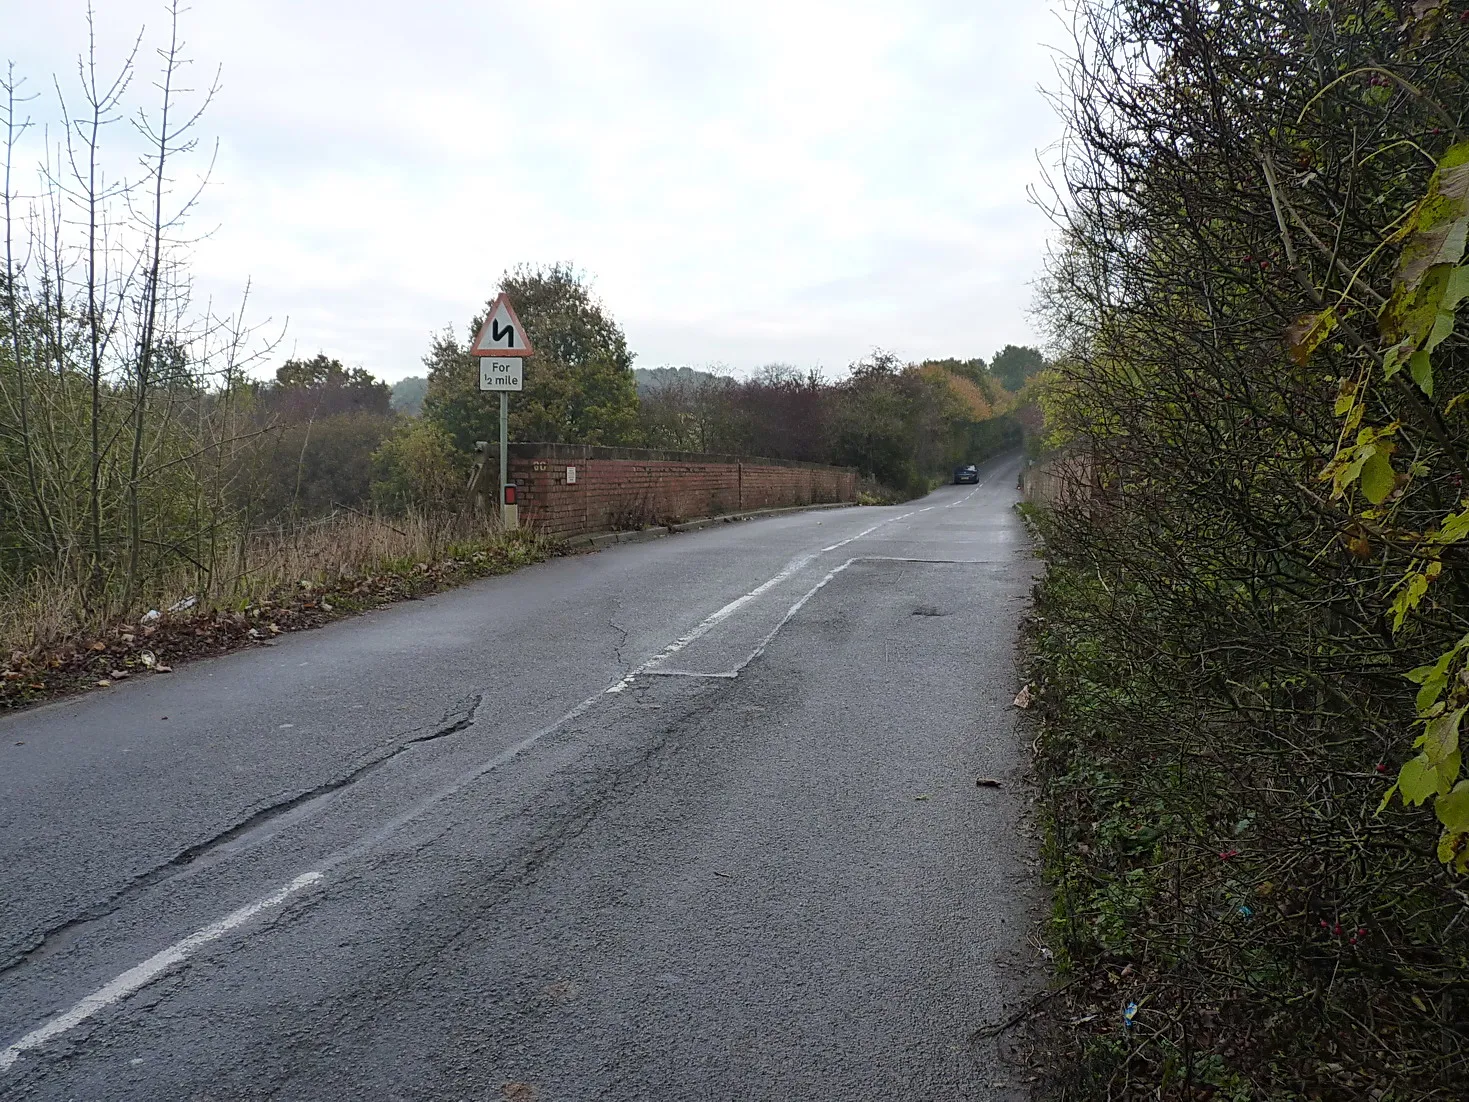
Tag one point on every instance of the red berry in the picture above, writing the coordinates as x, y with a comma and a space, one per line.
1382, 767
1336, 929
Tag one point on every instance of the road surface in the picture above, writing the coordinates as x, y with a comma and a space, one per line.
690, 819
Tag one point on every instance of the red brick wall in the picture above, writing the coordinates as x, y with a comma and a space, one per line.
625, 488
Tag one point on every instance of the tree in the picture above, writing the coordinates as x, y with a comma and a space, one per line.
311, 467
322, 387
408, 395
974, 370
417, 467
579, 386
1015, 363
875, 423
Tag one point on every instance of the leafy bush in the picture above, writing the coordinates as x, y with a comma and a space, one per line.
1259, 367
417, 467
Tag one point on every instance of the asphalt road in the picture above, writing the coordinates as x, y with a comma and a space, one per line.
690, 819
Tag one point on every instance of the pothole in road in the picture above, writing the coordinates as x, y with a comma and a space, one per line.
929, 610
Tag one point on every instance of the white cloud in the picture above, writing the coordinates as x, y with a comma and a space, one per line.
771, 181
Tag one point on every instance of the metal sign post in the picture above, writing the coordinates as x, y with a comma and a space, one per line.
509, 510
502, 347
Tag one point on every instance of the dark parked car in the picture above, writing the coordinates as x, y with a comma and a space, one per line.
966, 474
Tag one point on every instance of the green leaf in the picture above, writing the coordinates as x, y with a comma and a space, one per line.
1453, 810
1454, 528
1378, 478
1416, 780
1441, 737
1410, 592
1455, 288
1447, 772
1387, 798
1421, 674
1430, 692
1421, 368
1344, 476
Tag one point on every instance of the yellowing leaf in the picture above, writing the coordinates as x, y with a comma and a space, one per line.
1307, 332
1453, 849
1421, 314
1442, 219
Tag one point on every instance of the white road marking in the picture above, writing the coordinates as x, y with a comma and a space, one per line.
874, 528
978, 486
712, 621
143, 974
790, 615
795, 608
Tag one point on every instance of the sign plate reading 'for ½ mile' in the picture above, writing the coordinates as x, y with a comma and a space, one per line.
501, 346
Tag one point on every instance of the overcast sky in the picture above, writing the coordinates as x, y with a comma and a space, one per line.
765, 181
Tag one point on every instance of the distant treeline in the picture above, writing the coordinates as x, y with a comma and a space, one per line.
899, 424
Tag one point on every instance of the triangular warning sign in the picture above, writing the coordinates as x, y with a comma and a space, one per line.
502, 334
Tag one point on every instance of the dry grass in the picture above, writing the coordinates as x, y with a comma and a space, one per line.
46, 612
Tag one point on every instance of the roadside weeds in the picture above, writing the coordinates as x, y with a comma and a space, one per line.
151, 642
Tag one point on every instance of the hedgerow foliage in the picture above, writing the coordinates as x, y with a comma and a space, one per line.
1255, 622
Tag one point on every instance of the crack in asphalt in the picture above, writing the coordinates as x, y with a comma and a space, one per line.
587, 790
234, 838
617, 647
